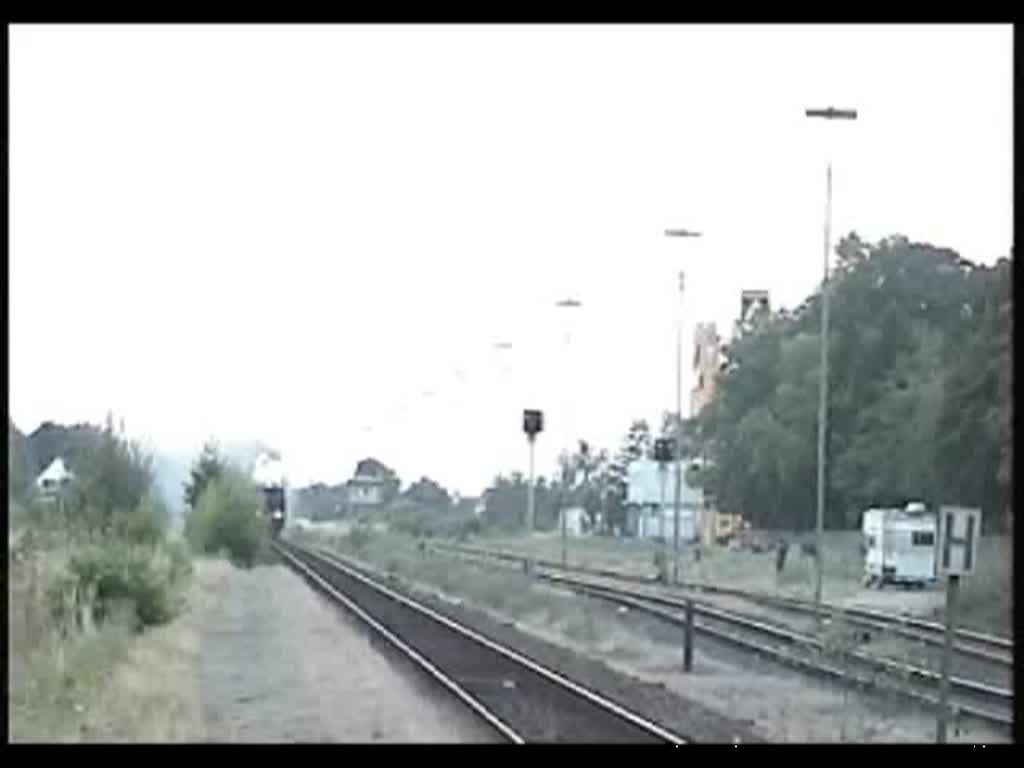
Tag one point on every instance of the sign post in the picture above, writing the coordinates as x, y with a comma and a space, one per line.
959, 531
952, 590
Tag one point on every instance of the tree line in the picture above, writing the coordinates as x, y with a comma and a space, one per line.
920, 406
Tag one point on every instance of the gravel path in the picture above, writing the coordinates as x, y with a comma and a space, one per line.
280, 664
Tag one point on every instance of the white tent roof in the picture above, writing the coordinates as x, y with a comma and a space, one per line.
57, 472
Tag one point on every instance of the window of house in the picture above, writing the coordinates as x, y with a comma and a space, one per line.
922, 539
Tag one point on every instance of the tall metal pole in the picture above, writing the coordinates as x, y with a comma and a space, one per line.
567, 437
662, 477
823, 400
831, 113
679, 407
567, 442
679, 433
530, 491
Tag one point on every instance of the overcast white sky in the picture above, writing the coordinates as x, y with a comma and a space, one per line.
294, 233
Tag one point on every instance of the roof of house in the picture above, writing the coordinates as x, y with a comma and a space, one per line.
57, 472
366, 480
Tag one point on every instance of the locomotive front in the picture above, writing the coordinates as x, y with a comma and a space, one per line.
269, 475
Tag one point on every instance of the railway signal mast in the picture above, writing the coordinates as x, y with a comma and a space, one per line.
533, 425
664, 450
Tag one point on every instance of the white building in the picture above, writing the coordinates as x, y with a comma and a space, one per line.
650, 514
54, 478
365, 491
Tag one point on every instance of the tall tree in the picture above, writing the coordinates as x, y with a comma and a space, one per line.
209, 465
919, 375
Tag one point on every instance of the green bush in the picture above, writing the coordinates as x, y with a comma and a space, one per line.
229, 517
146, 524
180, 560
104, 579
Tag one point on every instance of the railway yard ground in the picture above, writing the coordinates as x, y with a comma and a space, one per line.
731, 694
257, 657
260, 656
281, 664
986, 598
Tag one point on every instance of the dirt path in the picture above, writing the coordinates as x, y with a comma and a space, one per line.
280, 664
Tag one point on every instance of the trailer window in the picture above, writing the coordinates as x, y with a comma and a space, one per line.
922, 539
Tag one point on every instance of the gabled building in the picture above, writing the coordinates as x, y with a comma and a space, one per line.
369, 487
54, 479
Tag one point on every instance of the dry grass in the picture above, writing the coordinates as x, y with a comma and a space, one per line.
508, 593
154, 692
745, 570
81, 682
986, 601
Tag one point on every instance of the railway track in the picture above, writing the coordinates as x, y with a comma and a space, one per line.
985, 647
978, 699
519, 699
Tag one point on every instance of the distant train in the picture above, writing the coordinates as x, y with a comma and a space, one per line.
274, 507
269, 475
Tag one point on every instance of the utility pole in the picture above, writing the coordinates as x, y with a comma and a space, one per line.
828, 114
567, 436
677, 501
530, 496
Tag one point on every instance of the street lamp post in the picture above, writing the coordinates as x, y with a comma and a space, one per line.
567, 435
831, 113
677, 500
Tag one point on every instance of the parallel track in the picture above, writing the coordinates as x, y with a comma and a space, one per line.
518, 698
983, 646
983, 701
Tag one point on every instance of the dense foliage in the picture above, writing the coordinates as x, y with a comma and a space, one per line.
919, 393
228, 518
108, 524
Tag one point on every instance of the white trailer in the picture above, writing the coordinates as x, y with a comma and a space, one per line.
899, 546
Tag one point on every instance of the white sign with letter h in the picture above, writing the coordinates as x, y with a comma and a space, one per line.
959, 531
